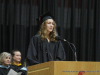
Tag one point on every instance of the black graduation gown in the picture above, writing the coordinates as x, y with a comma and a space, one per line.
4, 71
18, 69
42, 51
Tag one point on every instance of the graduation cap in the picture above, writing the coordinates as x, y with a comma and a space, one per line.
44, 17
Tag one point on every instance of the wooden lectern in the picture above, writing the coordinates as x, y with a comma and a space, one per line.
65, 68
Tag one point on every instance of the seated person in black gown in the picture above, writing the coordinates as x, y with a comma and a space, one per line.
5, 60
16, 65
44, 47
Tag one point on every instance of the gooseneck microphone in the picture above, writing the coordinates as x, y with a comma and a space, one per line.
70, 44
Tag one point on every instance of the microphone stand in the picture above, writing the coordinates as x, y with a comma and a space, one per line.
72, 48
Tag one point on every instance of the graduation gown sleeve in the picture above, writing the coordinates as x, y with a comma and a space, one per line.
32, 53
60, 56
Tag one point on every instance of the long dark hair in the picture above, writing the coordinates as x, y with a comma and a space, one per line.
13, 52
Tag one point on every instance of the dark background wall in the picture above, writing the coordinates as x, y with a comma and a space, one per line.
78, 21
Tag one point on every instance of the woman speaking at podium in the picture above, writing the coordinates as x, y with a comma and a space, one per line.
44, 47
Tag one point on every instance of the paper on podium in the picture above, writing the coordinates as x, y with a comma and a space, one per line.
12, 72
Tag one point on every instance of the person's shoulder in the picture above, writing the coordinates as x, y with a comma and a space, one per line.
24, 68
36, 36
0, 66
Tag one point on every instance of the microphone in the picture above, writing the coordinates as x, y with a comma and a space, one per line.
70, 44
59, 38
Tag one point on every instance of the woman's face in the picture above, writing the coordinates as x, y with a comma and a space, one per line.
6, 61
17, 57
49, 25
